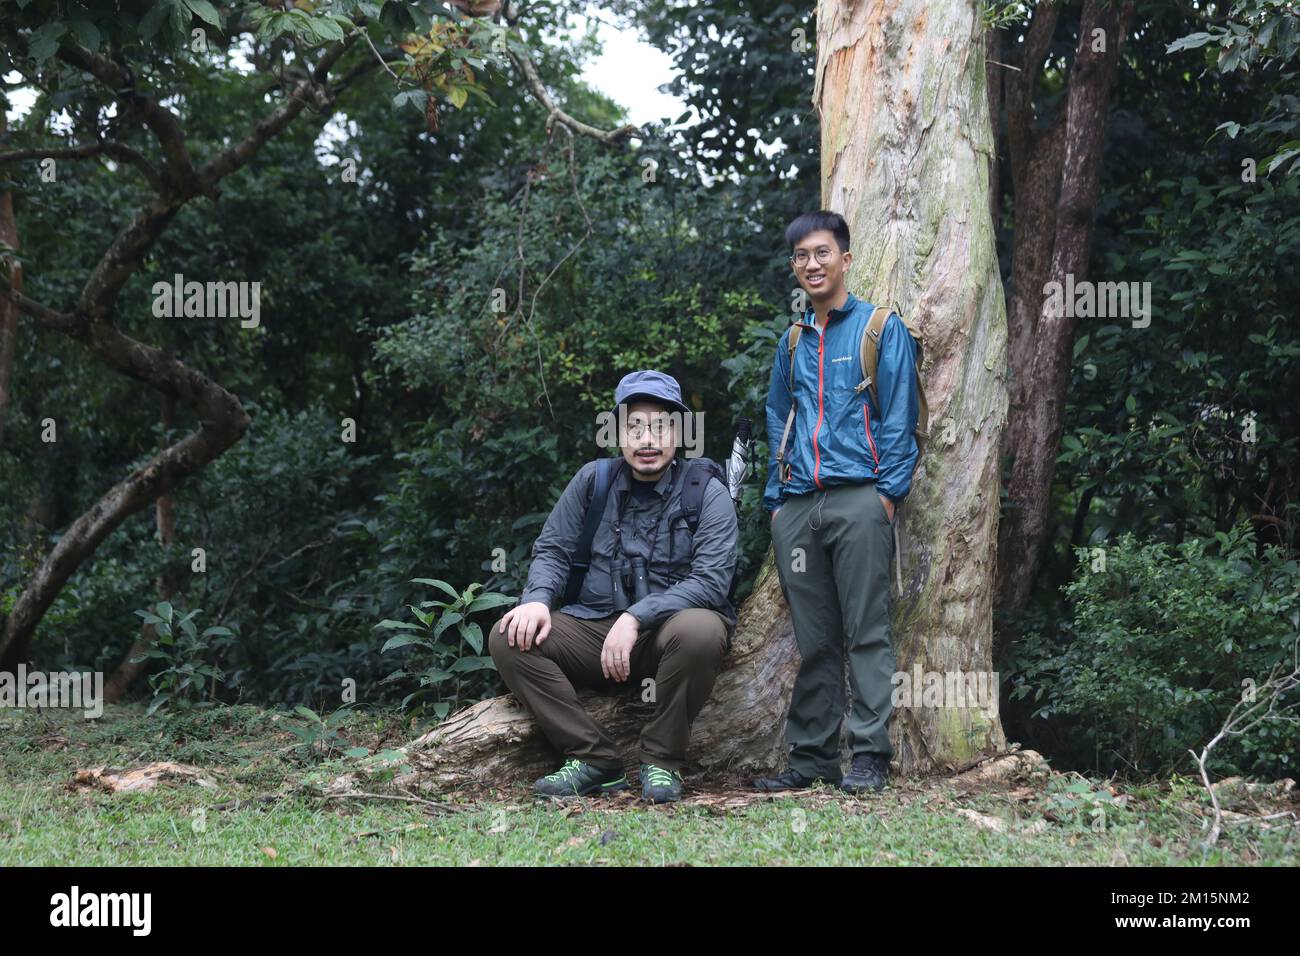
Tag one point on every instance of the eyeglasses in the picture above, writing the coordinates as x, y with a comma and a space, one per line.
658, 427
824, 255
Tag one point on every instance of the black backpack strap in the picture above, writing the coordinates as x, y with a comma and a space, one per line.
698, 473
606, 468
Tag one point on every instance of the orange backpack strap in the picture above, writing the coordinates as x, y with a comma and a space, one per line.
871, 351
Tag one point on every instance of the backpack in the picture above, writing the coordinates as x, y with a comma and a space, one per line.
698, 473
870, 360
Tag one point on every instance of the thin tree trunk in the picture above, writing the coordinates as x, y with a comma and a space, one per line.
131, 666
1056, 175
8, 311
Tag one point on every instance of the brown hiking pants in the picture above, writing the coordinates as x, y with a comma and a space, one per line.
674, 666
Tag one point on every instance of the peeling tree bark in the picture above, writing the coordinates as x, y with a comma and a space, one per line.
906, 147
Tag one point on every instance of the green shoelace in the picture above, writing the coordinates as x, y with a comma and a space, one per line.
659, 777
565, 773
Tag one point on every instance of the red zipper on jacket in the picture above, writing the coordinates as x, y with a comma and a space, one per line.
866, 420
817, 457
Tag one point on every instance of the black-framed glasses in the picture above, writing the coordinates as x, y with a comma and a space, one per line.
823, 255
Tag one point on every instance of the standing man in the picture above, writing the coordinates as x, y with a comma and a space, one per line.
845, 467
670, 637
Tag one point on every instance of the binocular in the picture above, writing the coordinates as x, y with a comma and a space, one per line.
629, 582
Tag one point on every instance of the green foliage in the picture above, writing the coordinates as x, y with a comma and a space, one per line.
320, 735
185, 677
1159, 645
1263, 35
447, 648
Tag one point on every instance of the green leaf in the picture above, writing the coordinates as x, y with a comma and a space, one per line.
326, 30
86, 32
1189, 42
44, 41
473, 635
444, 622
164, 608
397, 625
467, 665
402, 640
485, 601
205, 11
434, 582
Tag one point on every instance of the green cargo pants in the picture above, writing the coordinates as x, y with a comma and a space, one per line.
833, 549
682, 656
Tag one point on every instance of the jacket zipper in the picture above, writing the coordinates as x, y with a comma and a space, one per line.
817, 457
871, 442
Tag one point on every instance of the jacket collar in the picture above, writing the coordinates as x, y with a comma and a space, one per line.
810, 315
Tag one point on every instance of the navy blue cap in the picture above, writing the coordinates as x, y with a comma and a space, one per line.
650, 384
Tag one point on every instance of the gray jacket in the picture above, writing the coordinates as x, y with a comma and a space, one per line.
684, 571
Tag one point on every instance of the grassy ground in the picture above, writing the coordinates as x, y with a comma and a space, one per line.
47, 818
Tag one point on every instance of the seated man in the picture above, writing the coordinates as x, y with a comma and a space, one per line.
653, 607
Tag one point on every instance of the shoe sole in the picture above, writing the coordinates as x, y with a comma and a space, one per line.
863, 789
599, 788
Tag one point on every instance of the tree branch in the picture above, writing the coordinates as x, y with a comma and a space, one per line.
117, 151
177, 165
61, 321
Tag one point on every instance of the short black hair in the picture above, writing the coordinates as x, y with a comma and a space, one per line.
813, 221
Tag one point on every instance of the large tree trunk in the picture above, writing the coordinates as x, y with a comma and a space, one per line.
906, 147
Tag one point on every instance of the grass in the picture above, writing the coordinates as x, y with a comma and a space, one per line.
46, 820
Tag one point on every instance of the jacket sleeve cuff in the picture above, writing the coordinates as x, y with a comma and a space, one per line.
536, 594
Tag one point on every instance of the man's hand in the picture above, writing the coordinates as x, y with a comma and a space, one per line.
525, 623
616, 655
889, 507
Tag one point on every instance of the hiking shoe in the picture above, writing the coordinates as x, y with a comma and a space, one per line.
790, 780
578, 779
869, 772
659, 785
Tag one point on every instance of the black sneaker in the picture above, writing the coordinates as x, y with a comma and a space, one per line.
869, 772
790, 780
578, 779
659, 785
